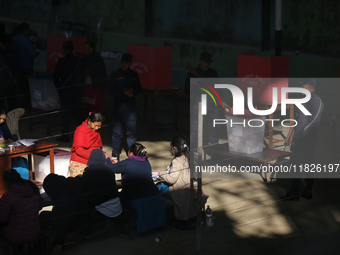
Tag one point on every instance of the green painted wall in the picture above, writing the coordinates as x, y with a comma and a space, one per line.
34, 10
224, 57
219, 21
122, 16
308, 26
311, 26
225, 61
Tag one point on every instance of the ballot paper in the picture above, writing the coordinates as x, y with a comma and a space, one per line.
27, 142
15, 143
155, 175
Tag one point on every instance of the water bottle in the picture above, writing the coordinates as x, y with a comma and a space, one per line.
209, 218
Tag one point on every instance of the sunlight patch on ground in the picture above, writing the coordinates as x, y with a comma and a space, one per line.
249, 206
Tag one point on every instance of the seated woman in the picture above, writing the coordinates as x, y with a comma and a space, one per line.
5, 133
69, 211
19, 209
86, 138
20, 164
178, 183
139, 189
99, 183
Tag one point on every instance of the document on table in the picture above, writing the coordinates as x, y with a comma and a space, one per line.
15, 143
155, 175
27, 142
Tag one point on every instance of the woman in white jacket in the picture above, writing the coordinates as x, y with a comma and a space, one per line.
177, 183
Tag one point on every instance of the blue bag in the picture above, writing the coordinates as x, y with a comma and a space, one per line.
20, 164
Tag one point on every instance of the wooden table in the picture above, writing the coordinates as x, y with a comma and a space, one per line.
261, 106
37, 147
154, 93
266, 156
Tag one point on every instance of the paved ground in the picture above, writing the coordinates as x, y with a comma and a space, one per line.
249, 218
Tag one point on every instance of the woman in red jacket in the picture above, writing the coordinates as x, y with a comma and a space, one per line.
86, 138
19, 209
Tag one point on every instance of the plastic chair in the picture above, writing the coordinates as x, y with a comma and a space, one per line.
13, 120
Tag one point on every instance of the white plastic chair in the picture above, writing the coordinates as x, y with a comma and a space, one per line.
12, 120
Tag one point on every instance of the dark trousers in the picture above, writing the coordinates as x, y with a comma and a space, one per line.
210, 133
302, 154
72, 107
25, 88
124, 117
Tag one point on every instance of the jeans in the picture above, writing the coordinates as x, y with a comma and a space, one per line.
125, 116
303, 154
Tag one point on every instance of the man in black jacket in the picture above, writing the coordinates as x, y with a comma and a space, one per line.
124, 84
69, 78
96, 79
9, 73
202, 71
305, 140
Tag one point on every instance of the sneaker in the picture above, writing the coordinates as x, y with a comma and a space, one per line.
115, 154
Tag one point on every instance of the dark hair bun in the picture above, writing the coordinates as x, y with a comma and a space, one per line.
96, 117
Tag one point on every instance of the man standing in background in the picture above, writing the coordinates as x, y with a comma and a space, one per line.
69, 78
25, 53
96, 79
305, 140
124, 84
202, 71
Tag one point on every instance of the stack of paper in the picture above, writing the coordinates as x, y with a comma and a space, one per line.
27, 142
155, 175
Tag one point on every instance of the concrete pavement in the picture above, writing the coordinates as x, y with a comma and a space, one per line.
249, 217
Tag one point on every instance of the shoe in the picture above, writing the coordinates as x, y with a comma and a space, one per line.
115, 154
290, 196
63, 138
307, 195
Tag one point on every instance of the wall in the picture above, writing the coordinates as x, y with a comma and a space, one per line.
224, 28
216, 21
37, 10
308, 26
122, 16
311, 26
225, 61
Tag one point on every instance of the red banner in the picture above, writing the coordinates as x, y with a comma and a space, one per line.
54, 49
153, 65
255, 68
